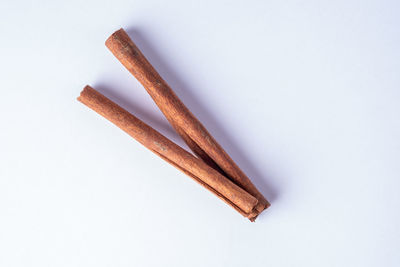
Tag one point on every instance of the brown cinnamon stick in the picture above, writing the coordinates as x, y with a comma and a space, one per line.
185, 123
211, 179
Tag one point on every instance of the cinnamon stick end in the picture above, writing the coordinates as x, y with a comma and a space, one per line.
115, 35
86, 90
258, 209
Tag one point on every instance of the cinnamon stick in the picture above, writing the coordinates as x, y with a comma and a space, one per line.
185, 123
211, 179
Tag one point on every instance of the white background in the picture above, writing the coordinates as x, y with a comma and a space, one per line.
304, 95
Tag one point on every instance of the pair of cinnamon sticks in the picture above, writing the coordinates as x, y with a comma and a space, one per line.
211, 166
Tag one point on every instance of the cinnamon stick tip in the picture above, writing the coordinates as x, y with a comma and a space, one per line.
112, 36
83, 92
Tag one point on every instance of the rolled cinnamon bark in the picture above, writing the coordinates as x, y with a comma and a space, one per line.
185, 123
225, 189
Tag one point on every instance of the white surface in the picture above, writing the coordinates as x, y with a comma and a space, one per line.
304, 95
